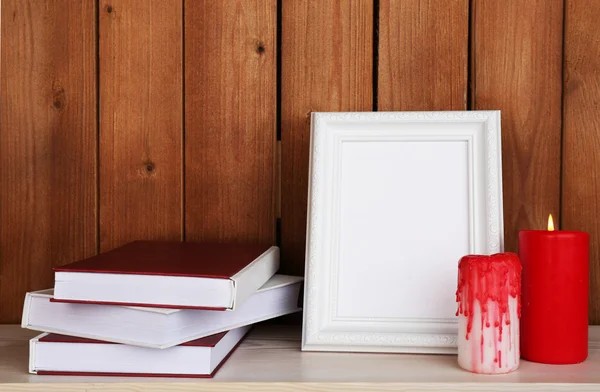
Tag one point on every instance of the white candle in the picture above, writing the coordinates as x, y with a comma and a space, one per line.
489, 290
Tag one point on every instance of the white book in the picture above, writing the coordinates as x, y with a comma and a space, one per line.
66, 355
169, 274
157, 327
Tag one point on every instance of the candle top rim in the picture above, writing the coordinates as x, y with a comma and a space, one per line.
555, 232
500, 258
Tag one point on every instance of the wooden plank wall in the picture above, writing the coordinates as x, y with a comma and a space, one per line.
423, 55
230, 117
128, 119
141, 122
48, 134
581, 133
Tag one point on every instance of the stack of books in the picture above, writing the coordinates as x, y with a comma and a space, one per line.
156, 309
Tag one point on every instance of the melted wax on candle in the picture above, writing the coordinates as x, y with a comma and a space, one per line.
489, 278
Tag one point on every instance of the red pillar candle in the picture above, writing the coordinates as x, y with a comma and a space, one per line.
488, 295
554, 321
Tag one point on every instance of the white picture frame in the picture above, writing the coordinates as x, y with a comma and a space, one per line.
395, 199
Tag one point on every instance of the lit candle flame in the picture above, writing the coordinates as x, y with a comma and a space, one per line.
550, 223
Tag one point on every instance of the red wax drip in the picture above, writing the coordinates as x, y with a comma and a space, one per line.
488, 278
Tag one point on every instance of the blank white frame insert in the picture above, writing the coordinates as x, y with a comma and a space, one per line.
395, 199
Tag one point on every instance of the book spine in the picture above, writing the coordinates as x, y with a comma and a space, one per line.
254, 275
32, 346
26, 307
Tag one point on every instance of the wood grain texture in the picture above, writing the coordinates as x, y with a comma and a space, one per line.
141, 117
517, 69
230, 119
269, 359
423, 52
47, 143
327, 65
581, 133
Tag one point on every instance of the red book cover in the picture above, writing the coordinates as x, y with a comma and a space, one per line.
166, 258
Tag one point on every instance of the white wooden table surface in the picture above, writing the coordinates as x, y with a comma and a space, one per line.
270, 360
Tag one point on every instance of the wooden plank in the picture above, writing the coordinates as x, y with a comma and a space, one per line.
230, 117
141, 116
581, 133
47, 143
423, 55
327, 65
517, 69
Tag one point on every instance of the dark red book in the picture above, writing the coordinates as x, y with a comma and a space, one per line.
169, 274
67, 355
